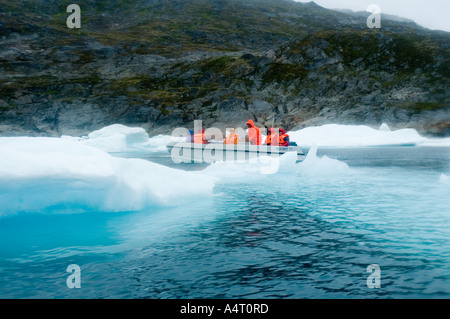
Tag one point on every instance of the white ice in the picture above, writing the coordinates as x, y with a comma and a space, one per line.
335, 135
119, 138
72, 173
37, 173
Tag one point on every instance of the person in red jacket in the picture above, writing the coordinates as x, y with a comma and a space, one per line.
272, 137
254, 135
232, 138
284, 138
200, 138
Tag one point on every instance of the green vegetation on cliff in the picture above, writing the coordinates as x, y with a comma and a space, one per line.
166, 62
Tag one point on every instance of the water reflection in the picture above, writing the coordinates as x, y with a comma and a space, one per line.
279, 248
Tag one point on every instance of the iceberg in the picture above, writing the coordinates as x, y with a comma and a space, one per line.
118, 138
39, 174
256, 168
324, 166
335, 135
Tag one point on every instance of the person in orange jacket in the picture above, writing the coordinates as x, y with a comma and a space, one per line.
284, 138
232, 138
254, 135
200, 137
272, 137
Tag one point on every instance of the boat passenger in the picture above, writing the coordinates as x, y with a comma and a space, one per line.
268, 135
254, 135
284, 138
272, 137
200, 138
232, 138
190, 138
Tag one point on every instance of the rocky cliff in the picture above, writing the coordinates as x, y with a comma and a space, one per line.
163, 64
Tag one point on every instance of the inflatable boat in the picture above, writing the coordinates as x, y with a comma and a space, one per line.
185, 152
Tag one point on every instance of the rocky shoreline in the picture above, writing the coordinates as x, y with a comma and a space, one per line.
55, 83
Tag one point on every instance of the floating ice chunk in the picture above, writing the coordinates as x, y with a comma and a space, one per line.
40, 157
335, 135
254, 168
159, 142
321, 165
243, 170
47, 174
437, 142
267, 165
287, 162
117, 138
273, 165
133, 135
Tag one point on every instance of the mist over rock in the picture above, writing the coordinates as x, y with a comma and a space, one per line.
162, 64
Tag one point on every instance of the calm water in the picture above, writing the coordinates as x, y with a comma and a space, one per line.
300, 234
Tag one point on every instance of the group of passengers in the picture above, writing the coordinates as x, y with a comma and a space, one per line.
275, 137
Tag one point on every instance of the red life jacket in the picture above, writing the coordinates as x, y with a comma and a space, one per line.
233, 138
284, 140
199, 138
272, 139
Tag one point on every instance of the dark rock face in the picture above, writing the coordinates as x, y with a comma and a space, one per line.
164, 64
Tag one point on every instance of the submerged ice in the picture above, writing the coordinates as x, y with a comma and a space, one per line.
61, 174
